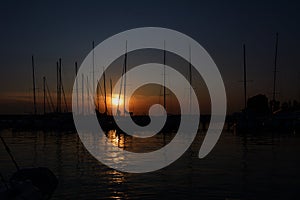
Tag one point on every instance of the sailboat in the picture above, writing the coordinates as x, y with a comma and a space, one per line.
28, 183
259, 115
107, 121
256, 112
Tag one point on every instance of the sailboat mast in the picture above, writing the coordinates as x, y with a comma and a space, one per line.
111, 95
104, 82
245, 77
88, 95
76, 71
58, 64
82, 93
97, 96
57, 86
275, 70
190, 77
93, 46
121, 85
61, 89
60, 85
33, 81
44, 90
125, 70
165, 106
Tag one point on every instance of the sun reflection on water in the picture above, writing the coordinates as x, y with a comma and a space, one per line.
116, 139
116, 180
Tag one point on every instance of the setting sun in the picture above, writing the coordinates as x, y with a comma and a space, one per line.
116, 101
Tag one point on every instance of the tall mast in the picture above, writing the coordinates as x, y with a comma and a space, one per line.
76, 71
44, 90
61, 89
190, 77
82, 93
165, 106
93, 45
125, 70
104, 82
245, 77
119, 97
88, 95
275, 71
33, 81
111, 96
58, 86
97, 96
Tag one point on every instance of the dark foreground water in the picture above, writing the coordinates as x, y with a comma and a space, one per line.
239, 167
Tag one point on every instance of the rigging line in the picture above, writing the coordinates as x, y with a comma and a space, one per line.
9, 153
49, 105
62, 87
4, 181
49, 94
100, 89
121, 85
46, 95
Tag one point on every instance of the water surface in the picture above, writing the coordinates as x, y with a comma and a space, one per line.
239, 167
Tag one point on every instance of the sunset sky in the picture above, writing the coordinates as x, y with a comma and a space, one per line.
61, 29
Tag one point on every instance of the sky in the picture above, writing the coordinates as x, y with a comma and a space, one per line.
65, 29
